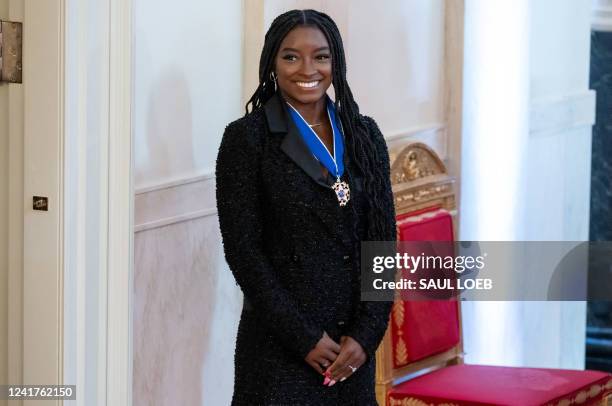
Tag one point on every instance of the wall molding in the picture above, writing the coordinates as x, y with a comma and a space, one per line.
602, 15
173, 202
414, 131
175, 219
178, 181
553, 115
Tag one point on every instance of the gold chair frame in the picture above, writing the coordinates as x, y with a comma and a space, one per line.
419, 180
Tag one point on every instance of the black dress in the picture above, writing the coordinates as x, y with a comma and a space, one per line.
294, 253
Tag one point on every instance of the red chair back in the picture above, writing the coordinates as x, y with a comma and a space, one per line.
420, 329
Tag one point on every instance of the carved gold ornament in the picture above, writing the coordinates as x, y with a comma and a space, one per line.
420, 179
416, 161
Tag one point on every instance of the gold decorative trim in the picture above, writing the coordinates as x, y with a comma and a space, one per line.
585, 395
595, 390
425, 192
580, 398
401, 353
400, 350
398, 313
415, 402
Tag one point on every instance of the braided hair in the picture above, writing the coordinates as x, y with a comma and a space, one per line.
359, 143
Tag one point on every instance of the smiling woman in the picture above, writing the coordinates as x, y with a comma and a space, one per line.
290, 198
303, 66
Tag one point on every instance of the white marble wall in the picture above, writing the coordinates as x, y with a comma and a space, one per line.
186, 303
187, 87
187, 84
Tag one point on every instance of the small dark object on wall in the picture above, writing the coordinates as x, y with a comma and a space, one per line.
41, 203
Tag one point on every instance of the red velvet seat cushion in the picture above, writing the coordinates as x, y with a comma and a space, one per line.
465, 385
420, 329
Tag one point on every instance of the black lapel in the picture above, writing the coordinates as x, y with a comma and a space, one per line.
293, 144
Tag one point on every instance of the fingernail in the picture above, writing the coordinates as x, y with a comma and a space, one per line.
326, 381
343, 378
332, 382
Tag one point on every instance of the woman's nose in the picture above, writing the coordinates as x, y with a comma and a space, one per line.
308, 67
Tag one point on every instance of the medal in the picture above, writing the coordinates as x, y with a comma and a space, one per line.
334, 164
342, 191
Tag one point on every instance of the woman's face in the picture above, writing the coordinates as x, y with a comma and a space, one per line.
303, 65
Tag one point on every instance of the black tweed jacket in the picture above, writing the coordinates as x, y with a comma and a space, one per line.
292, 250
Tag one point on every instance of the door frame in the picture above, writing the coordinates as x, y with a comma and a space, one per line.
43, 238
42, 349
120, 269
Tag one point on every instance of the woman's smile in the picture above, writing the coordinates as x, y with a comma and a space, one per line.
308, 85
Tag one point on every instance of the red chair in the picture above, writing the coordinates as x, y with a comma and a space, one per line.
420, 361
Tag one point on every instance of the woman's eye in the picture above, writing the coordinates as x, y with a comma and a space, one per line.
290, 58
323, 57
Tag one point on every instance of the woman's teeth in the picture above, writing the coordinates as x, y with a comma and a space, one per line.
307, 84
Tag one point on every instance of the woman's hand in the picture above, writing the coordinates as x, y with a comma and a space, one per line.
351, 355
323, 354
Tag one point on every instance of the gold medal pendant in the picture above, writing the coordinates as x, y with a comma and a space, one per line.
342, 191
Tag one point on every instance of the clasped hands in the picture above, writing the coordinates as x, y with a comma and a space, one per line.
336, 361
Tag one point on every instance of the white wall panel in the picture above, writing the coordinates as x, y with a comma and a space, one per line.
187, 85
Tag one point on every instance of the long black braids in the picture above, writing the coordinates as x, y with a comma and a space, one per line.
359, 143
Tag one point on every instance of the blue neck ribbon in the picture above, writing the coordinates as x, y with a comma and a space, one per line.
335, 163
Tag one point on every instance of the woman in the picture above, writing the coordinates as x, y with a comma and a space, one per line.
301, 180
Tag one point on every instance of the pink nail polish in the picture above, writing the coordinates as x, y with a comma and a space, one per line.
326, 381
332, 382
